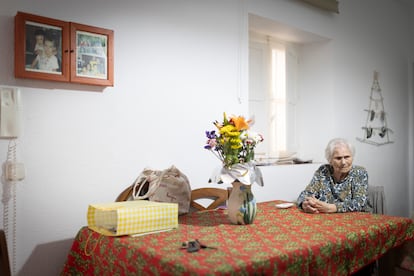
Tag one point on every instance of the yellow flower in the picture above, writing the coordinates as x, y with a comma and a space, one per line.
235, 143
229, 130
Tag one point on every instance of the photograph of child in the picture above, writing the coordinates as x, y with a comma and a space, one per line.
47, 60
40, 40
42, 48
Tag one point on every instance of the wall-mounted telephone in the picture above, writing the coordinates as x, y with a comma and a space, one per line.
10, 126
13, 171
9, 112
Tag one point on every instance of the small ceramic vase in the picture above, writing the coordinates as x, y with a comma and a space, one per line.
241, 205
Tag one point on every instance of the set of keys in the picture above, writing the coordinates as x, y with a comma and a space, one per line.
194, 246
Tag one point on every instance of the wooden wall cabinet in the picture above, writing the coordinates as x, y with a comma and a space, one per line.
56, 50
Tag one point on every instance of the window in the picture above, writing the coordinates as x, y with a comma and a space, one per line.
273, 67
290, 88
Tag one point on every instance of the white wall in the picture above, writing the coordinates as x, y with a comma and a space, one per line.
178, 66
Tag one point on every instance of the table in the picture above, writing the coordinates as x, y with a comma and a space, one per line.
279, 242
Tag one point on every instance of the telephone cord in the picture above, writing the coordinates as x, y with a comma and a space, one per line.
9, 191
11, 151
14, 241
10, 230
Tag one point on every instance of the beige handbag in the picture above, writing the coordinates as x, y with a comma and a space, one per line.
169, 185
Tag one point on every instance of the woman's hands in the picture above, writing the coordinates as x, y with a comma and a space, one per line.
314, 206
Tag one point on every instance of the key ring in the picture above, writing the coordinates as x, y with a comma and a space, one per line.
194, 246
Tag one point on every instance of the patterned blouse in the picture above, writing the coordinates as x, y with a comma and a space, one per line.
349, 195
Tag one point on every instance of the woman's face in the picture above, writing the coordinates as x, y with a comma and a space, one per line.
341, 160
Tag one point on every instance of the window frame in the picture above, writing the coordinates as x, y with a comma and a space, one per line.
266, 44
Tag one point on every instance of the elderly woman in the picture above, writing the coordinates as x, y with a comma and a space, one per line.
338, 186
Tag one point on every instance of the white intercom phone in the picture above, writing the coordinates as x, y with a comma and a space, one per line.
10, 127
9, 112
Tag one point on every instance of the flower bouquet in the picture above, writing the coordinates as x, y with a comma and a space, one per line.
233, 143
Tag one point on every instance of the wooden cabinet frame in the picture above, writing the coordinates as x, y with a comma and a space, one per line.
70, 52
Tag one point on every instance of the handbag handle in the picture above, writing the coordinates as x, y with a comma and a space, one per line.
139, 182
154, 181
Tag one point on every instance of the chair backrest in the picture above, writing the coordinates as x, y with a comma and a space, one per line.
125, 194
4, 255
376, 197
219, 197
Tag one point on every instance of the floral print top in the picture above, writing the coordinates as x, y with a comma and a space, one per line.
349, 195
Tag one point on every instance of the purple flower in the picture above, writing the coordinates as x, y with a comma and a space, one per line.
211, 134
212, 139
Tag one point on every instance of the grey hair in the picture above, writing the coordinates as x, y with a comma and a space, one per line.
335, 143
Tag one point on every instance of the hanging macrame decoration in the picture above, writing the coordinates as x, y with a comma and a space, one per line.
329, 5
376, 131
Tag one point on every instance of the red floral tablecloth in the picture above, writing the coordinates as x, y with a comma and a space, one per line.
279, 242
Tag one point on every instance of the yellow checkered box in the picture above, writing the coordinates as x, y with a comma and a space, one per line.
132, 217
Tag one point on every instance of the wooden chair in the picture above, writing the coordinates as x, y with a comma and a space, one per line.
219, 197
376, 197
4, 255
125, 194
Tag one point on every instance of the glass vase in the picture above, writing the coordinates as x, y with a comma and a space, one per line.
241, 205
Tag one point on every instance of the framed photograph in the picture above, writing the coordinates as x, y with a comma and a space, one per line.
50, 49
92, 60
41, 48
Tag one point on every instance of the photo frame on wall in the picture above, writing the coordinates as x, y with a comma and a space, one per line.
41, 48
51, 49
92, 60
